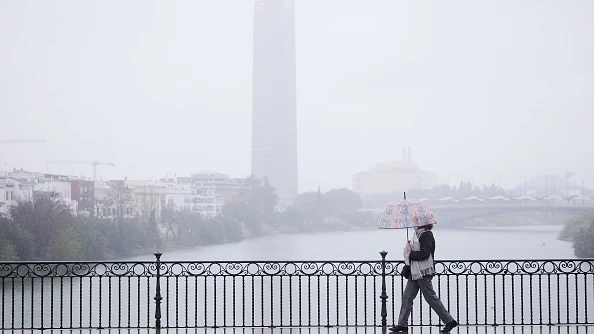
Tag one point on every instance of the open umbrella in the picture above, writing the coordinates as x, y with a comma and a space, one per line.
499, 197
553, 197
525, 197
406, 214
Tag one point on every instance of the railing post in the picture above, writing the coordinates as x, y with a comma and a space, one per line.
384, 296
158, 297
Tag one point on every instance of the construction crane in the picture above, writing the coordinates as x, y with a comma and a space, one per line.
93, 163
22, 141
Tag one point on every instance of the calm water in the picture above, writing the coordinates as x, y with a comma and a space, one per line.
522, 242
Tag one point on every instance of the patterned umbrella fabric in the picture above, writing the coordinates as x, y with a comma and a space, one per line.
405, 214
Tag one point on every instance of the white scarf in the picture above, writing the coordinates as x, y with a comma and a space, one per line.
418, 269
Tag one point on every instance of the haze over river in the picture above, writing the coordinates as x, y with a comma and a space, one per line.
516, 242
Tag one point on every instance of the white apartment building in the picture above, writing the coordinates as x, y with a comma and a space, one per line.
220, 184
13, 189
202, 201
146, 196
62, 188
20, 184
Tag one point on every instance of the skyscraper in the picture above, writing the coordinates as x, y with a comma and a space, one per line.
274, 116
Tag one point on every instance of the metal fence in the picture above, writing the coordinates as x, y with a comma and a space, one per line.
221, 294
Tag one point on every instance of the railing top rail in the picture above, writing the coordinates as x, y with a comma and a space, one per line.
288, 268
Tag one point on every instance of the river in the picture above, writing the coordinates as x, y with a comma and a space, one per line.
512, 242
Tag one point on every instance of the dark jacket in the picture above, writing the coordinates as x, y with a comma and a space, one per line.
427, 243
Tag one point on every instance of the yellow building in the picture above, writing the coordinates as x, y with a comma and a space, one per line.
393, 177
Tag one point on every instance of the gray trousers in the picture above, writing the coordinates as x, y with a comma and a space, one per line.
410, 293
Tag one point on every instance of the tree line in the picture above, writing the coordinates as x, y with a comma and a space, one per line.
44, 228
255, 212
580, 231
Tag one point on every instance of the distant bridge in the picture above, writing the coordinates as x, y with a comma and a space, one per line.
465, 212
453, 214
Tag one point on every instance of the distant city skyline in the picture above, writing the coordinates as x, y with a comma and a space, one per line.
494, 90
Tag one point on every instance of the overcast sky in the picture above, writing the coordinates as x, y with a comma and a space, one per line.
490, 89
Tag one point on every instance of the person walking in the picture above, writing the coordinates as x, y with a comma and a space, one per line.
419, 254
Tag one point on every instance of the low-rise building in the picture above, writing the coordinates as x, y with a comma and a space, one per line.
114, 201
12, 190
57, 184
138, 199
220, 184
148, 198
83, 194
21, 184
197, 200
203, 194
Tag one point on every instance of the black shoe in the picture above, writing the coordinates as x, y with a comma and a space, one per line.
449, 326
398, 329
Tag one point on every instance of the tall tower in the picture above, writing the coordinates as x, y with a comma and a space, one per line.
274, 115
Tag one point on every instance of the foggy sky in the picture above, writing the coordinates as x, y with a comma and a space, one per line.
490, 89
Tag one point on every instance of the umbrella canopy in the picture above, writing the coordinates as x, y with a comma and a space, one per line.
554, 197
406, 214
525, 197
499, 197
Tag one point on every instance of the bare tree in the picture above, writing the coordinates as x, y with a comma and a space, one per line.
119, 200
147, 203
169, 220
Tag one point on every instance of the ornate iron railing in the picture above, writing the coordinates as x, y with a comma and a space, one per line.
63, 295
